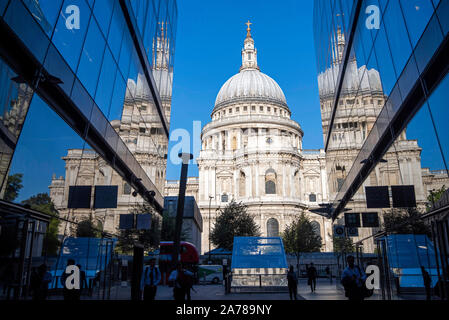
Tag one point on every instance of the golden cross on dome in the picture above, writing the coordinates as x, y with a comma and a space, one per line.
248, 29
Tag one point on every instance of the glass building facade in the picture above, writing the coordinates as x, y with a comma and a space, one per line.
383, 81
85, 101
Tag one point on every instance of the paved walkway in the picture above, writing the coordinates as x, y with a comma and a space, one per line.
325, 290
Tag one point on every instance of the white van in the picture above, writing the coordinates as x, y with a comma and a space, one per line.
210, 273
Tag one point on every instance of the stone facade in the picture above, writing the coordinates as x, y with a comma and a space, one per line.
252, 153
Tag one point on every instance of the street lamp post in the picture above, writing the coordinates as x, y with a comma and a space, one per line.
210, 200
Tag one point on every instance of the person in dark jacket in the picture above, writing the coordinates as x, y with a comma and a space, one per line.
353, 279
151, 277
312, 275
292, 280
83, 279
427, 283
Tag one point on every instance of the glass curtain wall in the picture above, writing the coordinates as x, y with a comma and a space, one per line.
46, 162
393, 43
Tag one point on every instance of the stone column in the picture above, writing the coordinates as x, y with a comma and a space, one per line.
257, 180
284, 176
206, 183
220, 141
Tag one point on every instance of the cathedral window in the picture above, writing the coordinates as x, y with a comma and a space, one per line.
261, 109
142, 130
230, 111
249, 55
224, 198
312, 197
270, 182
316, 228
126, 188
245, 108
237, 109
242, 184
272, 228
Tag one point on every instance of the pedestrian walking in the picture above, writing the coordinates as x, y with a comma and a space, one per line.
83, 280
312, 274
40, 280
179, 278
151, 277
329, 273
427, 283
353, 280
292, 280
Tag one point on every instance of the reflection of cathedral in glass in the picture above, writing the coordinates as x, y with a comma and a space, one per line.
15, 99
361, 101
141, 129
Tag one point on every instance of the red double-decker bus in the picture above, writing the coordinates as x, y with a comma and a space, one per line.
189, 256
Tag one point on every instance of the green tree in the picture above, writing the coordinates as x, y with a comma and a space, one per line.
233, 221
343, 244
87, 229
148, 238
13, 186
405, 221
168, 228
300, 237
434, 196
43, 203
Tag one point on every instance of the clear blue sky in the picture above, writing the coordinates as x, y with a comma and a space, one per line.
208, 52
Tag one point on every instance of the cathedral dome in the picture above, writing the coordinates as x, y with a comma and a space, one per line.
250, 84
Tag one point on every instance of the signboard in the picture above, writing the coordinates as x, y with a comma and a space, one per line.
339, 231
126, 221
377, 197
353, 232
352, 220
143, 221
105, 197
79, 197
370, 220
403, 196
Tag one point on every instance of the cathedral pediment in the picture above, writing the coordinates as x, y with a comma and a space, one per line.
312, 172
225, 173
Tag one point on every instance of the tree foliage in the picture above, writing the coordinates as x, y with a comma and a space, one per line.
233, 221
405, 221
434, 196
87, 229
169, 226
43, 203
343, 244
13, 186
300, 237
149, 239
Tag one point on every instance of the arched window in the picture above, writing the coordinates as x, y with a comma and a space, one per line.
272, 228
270, 182
242, 184
316, 228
